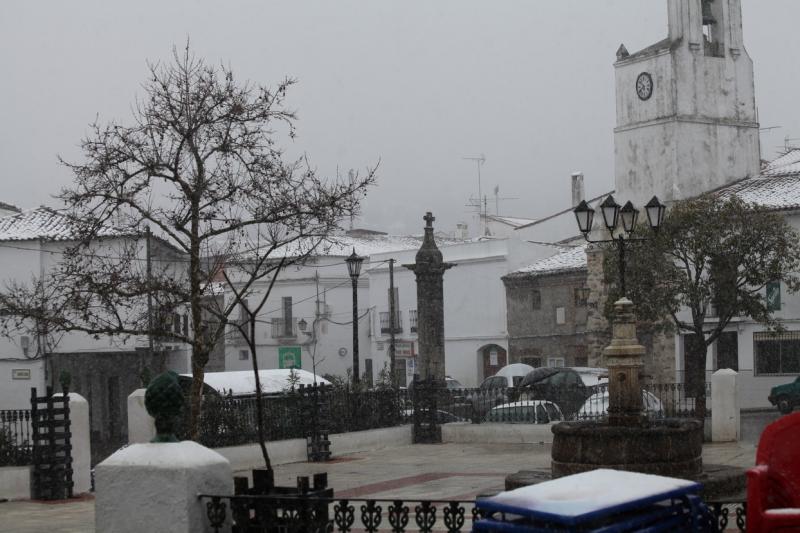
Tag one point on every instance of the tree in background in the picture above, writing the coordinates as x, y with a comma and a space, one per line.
199, 165
710, 262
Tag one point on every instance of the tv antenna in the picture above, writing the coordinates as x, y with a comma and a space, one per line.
479, 161
498, 199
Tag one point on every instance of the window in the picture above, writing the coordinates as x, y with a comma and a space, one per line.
777, 353
412, 320
727, 349
581, 296
287, 316
186, 325
536, 300
244, 355
535, 362
555, 362
774, 296
561, 315
384, 319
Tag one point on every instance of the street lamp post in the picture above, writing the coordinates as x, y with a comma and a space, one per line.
354, 269
612, 215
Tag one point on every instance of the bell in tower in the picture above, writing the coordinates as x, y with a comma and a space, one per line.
708, 16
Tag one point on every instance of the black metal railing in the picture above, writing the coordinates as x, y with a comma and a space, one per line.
729, 513
230, 421
548, 403
300, 514
314, 513
16, 437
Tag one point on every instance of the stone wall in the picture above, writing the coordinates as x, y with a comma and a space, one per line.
535, 333
659, 359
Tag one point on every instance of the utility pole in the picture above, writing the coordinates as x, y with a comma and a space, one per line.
149, 292
392, 322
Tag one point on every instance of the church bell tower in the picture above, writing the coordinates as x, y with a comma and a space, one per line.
686, 113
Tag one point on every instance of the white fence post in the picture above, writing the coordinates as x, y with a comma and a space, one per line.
725, 415
81, 443
141, 426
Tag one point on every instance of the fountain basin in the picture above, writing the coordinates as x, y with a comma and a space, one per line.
669, 447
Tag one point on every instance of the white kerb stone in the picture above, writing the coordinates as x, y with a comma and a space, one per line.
154, 487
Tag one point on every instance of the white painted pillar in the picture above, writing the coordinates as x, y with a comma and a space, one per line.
154, 487
81, 443
141, 426
725, 413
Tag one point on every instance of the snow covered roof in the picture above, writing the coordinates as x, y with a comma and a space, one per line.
778, 186
42, 223
343, 245
8, 207
785, 165
567, 260
243, 382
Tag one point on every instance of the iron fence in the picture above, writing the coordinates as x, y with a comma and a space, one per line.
16, 442
230, 421
255, 513
551, 403
306, 411
315, 513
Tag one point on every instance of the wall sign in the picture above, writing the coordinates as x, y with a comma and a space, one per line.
20, 373
289, 357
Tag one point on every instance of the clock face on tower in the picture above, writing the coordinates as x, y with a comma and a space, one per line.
644, 86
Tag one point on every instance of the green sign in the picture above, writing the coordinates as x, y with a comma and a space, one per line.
289, 357
774, 296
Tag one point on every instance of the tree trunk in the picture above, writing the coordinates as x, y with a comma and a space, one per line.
695, 377
251, 342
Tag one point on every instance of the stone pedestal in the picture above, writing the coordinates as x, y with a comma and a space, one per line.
141, 426
154, 487
725, 413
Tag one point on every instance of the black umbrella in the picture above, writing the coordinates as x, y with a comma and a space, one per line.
538, 374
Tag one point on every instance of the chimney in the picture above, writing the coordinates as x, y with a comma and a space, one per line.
462, 231
577, 188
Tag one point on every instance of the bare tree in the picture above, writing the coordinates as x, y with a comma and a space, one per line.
199, 164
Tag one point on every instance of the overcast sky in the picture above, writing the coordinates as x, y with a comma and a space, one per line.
418, 84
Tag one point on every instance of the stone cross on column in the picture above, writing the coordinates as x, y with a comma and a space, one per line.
429, 269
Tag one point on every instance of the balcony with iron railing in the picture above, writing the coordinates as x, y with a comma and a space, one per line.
385, 323
283, 329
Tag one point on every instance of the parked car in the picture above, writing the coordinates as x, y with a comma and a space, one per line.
494, 390
525, 412
596, 406
442, 417
568, 387
785, 397
508, 376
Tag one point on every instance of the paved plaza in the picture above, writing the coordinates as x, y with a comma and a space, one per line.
437, 471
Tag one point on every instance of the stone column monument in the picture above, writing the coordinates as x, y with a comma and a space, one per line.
429, 269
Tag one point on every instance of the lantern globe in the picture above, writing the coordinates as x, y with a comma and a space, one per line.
655, 212
585, 216
610, 210
354, 264
629, 215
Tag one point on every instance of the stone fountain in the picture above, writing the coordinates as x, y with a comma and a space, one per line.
627, 439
